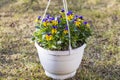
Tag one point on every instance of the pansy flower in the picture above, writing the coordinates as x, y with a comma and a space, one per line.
75, 18
66, 30
38, 19
58, 19
48, 37
45, 23
81, 17
52, 18
44, 20
54, 29
77, 23
54, 22
70, 15
48, 16
62, 11
86, 23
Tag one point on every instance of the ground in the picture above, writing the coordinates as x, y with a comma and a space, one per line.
18, 55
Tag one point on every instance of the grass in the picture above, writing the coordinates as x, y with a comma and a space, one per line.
19, 58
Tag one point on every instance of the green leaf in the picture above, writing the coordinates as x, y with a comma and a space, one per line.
33, 38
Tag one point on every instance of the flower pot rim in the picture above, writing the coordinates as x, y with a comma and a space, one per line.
55, 52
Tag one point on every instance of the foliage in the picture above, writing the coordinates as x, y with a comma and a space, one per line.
53, 32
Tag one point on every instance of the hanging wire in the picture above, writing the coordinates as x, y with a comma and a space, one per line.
66, 5
45, 12
66, 11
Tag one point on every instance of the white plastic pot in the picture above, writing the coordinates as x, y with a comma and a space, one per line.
60, 64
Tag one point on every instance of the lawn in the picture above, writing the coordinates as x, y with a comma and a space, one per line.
18, 56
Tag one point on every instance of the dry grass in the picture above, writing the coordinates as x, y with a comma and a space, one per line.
18, 56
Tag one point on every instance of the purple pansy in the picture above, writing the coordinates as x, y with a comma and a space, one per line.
55, 27
58, 19
48, 15
62, 10
76, 16
81, 17
52, 18
45, 19
39, 17
69, 13
85, 22
66, 28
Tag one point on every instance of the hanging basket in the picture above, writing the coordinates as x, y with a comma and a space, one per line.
58, 64
61, 64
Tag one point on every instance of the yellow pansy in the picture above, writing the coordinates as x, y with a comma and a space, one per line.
70, 17
54, 31
38, 19
77, 23
48, 37
54, 22
65, 31
48, 23
45, 24
62, 11
86, 23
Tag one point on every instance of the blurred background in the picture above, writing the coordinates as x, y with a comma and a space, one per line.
19, 58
